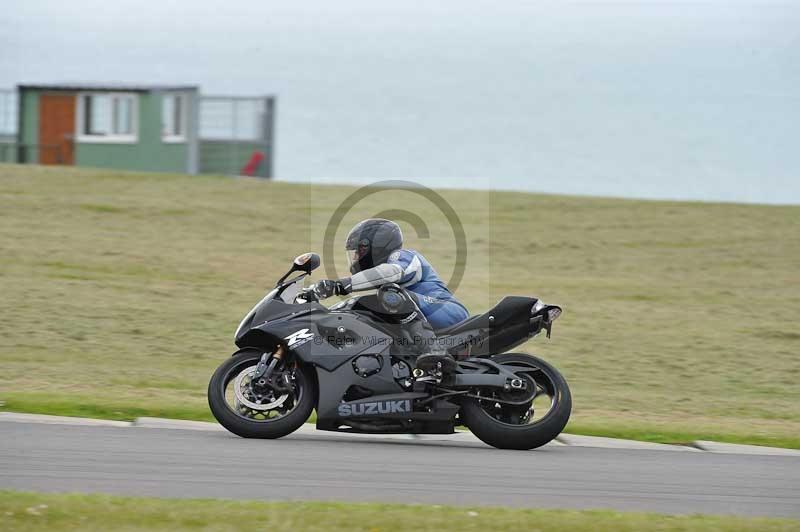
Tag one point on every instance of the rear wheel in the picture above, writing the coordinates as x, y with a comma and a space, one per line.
523, 419
252, 411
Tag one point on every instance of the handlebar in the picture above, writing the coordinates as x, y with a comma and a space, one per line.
308, 295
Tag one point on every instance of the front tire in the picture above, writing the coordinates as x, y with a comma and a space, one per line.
478, 416
304, 400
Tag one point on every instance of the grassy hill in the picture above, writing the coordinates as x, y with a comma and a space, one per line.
121, 291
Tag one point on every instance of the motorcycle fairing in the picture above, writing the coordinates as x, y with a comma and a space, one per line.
267, 311
315, 338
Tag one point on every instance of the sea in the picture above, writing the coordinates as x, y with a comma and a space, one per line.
658, 100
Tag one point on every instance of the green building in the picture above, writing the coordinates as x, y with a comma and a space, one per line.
143, 127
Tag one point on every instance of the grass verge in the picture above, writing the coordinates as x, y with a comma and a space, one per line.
30, 511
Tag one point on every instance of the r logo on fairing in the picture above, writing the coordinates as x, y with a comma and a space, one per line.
298, 338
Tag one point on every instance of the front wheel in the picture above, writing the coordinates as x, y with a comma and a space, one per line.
508, 419
252, 411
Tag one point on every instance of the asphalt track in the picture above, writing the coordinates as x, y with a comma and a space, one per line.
322, 466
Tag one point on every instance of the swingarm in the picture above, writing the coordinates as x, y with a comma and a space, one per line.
474, 372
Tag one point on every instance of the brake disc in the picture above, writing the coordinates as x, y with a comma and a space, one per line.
239, 384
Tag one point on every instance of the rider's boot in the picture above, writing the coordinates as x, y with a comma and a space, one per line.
441, 360
432, 355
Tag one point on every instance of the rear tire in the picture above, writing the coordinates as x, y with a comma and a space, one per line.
241, 426
521, 437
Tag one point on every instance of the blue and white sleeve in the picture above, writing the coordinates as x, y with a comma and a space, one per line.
410, 264
403, 268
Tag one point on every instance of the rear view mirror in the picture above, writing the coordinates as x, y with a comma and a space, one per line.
307, 262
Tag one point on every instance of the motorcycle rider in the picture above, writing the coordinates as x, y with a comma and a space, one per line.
376, 257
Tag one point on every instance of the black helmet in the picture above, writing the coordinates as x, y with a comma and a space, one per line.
371, 242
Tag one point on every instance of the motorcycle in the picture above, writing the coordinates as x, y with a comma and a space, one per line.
355, 364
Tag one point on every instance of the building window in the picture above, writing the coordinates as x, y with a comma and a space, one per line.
107, 117
174, 110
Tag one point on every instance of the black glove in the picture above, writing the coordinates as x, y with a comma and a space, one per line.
327, 288
308, 295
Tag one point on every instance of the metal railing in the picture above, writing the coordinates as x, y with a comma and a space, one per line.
8, 112
237, 135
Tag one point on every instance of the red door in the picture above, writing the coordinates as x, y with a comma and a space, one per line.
56, 129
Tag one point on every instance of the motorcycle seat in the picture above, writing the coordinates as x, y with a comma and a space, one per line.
509, 309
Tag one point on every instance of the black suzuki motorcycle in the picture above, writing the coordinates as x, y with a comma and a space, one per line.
355, 363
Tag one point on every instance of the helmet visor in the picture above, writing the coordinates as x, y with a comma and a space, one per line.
352, 256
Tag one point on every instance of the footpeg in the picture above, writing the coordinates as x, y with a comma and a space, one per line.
437, 361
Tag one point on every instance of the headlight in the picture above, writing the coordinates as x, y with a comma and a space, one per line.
538, 306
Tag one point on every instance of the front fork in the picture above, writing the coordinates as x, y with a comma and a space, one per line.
262, 377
